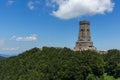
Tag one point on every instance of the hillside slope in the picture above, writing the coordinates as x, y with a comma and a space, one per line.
53, 64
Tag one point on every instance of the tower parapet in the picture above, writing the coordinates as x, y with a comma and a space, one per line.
84, 22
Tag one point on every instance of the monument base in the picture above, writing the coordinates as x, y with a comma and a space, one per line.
84, 45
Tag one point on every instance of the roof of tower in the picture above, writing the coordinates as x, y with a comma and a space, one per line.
84, 22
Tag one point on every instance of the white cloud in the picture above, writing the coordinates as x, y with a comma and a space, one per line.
2, 42
10, 2
31, 5
11, 49
50, 3
32, 37
68, 9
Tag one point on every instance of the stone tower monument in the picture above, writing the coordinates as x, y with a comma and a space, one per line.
84, 39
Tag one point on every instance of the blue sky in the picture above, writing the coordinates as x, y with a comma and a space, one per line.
25, 24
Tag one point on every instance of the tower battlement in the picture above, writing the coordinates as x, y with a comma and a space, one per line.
84, 41
84, 22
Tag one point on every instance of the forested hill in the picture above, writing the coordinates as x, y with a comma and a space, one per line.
61, 64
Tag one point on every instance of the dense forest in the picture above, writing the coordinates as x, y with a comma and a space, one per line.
51, 63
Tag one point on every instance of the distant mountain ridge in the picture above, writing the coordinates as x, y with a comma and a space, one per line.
7, 55
1, 57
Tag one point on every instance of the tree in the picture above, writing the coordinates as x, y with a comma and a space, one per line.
112, 59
